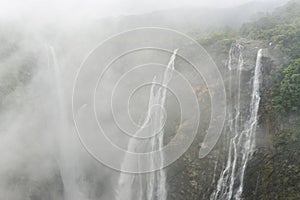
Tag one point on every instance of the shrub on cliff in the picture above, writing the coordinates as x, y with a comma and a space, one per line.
286, 93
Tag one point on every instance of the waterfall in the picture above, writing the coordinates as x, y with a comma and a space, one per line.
242, 138
60, 115
64, 158
152, 185
247, 138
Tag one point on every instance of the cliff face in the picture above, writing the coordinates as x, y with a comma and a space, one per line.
273, 170
194, 178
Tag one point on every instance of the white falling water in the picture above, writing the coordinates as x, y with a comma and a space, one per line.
247, 138
242, 141
64, 158
150, 186
61, 115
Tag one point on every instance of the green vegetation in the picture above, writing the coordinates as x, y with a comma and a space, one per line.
282, 29
286, 168
219, 42
286, 92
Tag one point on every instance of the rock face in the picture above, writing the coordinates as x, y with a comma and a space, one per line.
273, 171
192, 178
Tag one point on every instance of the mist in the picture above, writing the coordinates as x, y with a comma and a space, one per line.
50, 54
83, 10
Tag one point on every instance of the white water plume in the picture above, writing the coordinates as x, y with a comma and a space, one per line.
242, 138
152, 185
247, 138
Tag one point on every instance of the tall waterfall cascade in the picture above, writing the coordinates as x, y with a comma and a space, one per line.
71, 187
150, 186
241, 132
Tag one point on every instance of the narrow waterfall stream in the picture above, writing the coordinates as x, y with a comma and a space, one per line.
68, 175
241, 133
247, 137
69, 189
150, 186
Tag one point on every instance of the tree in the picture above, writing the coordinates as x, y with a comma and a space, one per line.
286, 94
